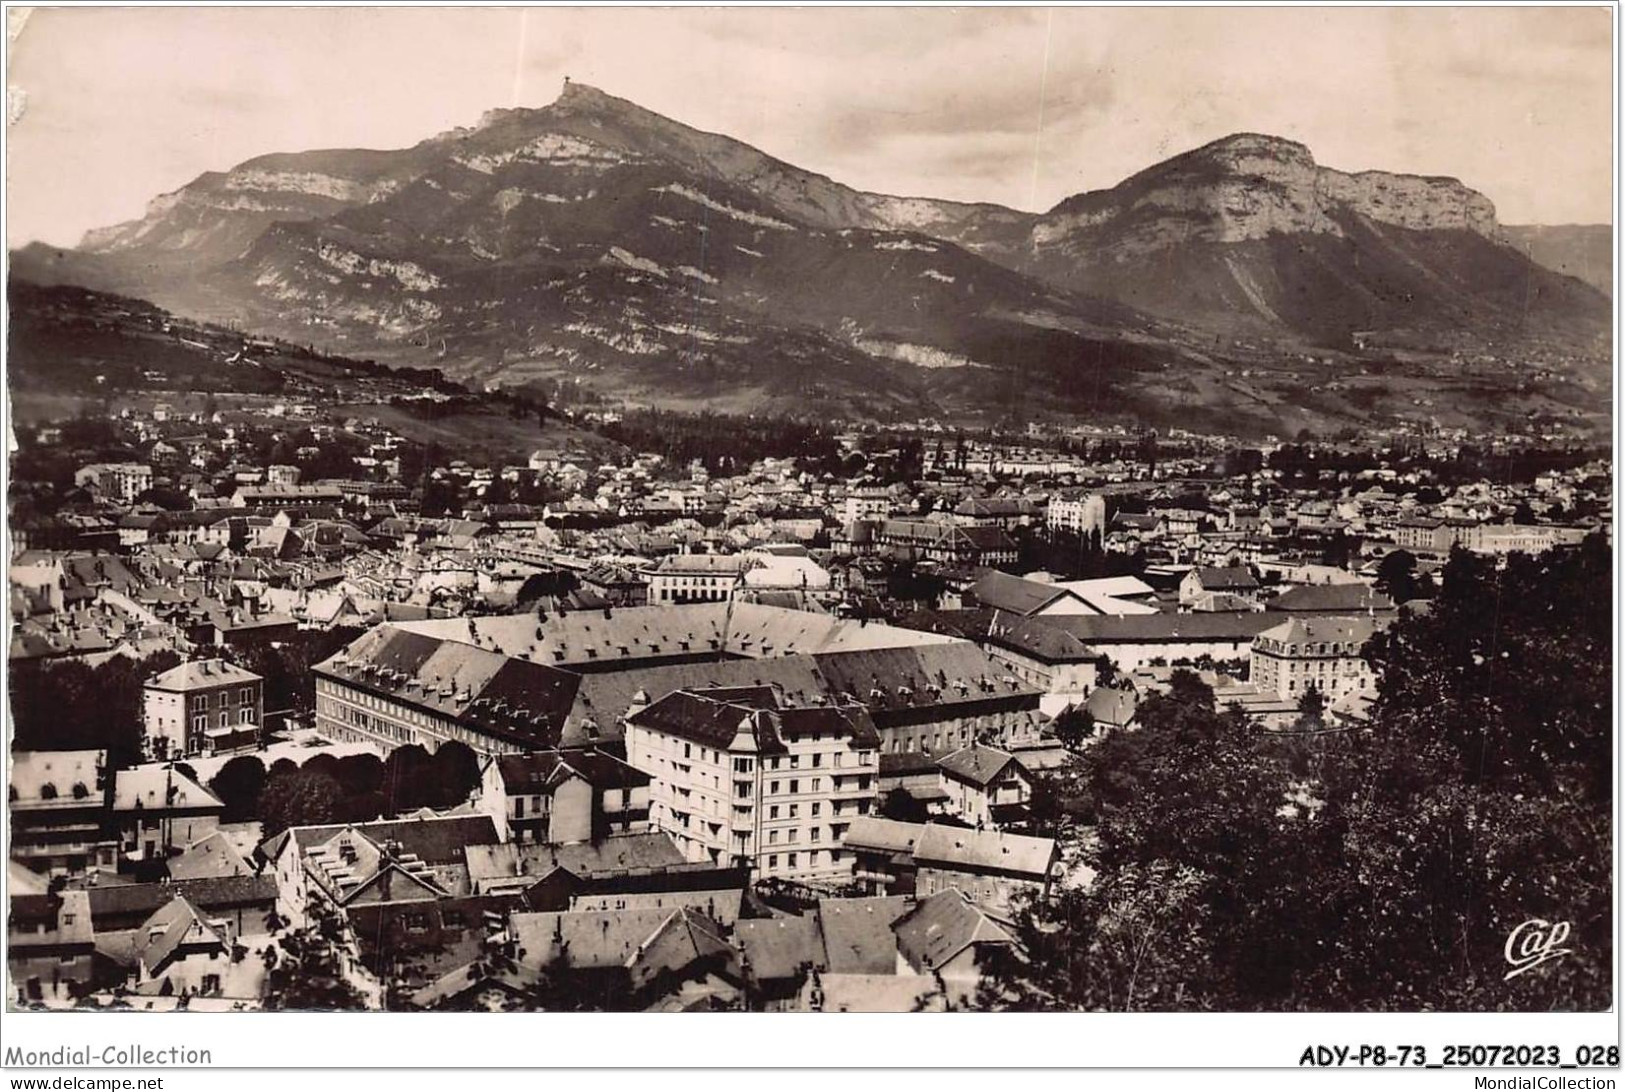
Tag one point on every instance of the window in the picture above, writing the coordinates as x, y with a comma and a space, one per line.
772, 860
790, 861
815, 809
818, 759
775, 764
773, 787
795, 786
245, 715
795, 810
816, 833
795, 762
246, 695
225, 718
817, 784
773, 811
688, 751
773, 837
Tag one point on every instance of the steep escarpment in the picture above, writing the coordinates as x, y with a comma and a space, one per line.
1247, 187
1250, 234
213, 218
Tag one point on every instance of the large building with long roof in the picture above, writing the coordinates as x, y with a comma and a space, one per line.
535, 681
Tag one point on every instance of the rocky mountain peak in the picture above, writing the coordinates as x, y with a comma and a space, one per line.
1241, 146
577, 95
574, 99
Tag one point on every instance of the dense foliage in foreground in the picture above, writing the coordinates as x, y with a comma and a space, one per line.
1374, 869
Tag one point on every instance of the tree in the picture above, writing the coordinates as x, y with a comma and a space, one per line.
455, 773
441, 497
300, 798
903, 806
1045, 806
361, 773
1072, 726
73, 706
285, 667
408, 779
499, 491
307, 970
1339, 549
1396, 575
1311, 709
324, 763
1191, 843
1376, 869
1503, 668
565, 987
238, 785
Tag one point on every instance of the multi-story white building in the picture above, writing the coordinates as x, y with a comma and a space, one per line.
1319, 653
739, 776
1077, 513
866, 502
696, 578
1437, 536
124, 481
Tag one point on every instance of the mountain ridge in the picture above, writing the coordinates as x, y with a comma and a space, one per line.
593, 239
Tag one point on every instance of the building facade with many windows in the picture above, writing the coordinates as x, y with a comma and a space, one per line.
1078, 513
124, 481
696, 578
202, 707
741, 777
394, 687
1314, 653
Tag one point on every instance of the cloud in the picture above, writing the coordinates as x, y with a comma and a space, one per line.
127, 103
855, 33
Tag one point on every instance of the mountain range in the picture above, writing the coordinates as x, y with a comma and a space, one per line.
599, 242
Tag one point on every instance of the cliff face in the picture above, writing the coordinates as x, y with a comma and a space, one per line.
1249, 235
1420, 204
1248, 187
218, 215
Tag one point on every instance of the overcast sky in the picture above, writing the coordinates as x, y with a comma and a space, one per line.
1023, 107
